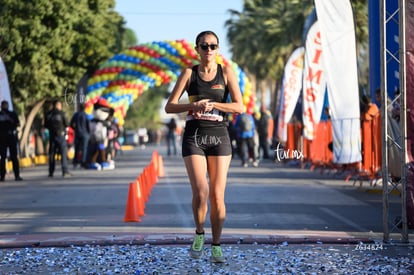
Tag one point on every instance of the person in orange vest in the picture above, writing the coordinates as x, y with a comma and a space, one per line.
370, 110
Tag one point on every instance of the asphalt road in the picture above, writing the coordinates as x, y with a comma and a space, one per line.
273, 199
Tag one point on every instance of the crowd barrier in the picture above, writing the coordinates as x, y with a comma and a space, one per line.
318, 154
371, 147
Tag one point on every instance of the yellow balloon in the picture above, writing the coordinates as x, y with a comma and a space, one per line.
247, 93
181, 51
246, 99
89, 109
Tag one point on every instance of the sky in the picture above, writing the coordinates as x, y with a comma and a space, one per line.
158, 20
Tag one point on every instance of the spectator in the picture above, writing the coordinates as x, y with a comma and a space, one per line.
396, 106
171, 137
263, 132
8, 140
245, 132
80, 124
369, 109
56, 123
113, 135
98, 145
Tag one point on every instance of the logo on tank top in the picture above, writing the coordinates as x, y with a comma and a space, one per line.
217, 87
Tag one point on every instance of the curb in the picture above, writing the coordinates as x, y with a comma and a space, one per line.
106, 239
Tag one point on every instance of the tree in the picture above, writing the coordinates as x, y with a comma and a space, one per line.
129, 38
360, 8
47, 46
145, 111
268, 32
265, 32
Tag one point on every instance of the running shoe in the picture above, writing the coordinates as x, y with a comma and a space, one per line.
217, 254
196, 250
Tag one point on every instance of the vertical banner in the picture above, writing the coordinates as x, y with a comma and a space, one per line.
374, 24
393, 47
4, 85
336, 24
314, 82
374, 42
291, 87
409, 38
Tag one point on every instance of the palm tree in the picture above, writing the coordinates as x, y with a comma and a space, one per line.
360, 8
263, 36
265, 32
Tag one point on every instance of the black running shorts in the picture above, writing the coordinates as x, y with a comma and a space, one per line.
206, 141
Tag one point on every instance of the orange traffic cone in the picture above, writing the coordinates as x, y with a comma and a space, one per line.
161, 172
154, 171
131, 211
140, 200
154, 159
143, 186
153, 174
148, 179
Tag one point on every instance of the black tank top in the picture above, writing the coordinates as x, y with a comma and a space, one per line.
215, 90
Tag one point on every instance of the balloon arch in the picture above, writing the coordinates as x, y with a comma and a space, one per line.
122, 78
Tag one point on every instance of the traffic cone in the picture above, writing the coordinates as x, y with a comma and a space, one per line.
131, 211
148, 179
140, 200
161, 172
144, 186
151, 174
154, 159
154, 171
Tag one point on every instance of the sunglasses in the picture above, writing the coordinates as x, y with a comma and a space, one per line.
205, 47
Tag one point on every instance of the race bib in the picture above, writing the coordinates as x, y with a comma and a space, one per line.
213, 115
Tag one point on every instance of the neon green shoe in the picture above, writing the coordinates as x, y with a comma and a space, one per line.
217, 254
196, 250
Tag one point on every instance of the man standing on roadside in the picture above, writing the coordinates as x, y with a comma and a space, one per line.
263, 132
246, 131
80, 124
56, 122
8, 140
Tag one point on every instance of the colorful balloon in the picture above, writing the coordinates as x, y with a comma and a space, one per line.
122, 78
